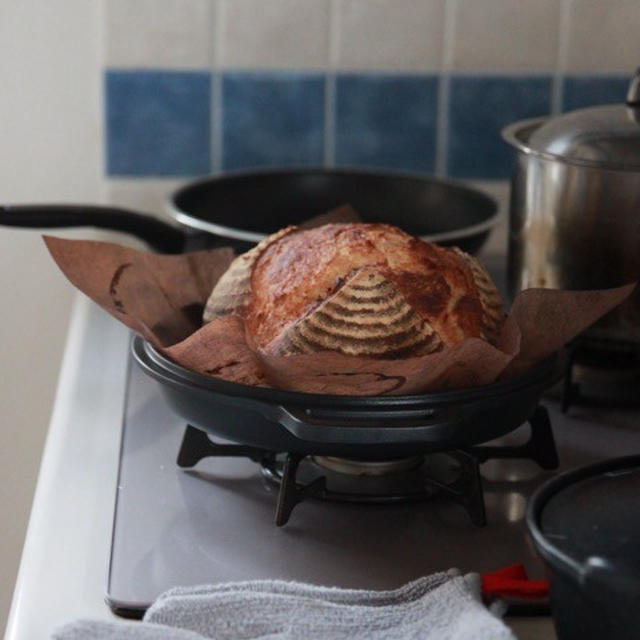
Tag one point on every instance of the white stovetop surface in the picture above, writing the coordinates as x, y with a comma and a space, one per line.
63, 571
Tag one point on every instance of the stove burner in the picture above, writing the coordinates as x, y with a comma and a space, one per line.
602, 373
359, 468
453, 474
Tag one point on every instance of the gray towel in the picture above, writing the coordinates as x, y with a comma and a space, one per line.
443, 606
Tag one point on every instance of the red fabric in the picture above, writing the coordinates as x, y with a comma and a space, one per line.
513, 582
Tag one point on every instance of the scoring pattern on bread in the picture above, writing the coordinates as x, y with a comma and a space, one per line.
367, 316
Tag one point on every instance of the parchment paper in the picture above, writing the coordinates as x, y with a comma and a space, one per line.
161, 298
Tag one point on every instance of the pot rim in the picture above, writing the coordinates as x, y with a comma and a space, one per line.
513, 135
179, 215
558, 560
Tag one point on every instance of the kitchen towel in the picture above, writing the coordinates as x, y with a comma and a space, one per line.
442, 606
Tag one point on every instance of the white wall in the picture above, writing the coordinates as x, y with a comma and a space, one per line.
51, 150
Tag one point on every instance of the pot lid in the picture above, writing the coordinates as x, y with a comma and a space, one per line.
594, 513
604, 136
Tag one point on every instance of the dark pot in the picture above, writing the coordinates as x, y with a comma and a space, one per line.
586, 526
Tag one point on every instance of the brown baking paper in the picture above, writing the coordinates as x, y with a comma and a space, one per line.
161, 298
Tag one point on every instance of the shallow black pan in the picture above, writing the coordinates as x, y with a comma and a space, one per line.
239, 209
370, 427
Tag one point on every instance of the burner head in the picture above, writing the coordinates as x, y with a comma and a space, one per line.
353, 467
347, 480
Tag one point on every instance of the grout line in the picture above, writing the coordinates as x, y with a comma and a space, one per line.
104, 189
330, 84
442, 125
557, 88
334, 33
216, 140
329, 118
444, 88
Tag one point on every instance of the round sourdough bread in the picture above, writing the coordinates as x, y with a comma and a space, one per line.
358, 289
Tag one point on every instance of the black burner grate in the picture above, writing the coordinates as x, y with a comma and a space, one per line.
465, 488
299, 476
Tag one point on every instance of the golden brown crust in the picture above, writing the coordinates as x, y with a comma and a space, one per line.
492, 310
302, 270
360, 289
232, 292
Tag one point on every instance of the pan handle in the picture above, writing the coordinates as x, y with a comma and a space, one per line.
156, 233
419, 426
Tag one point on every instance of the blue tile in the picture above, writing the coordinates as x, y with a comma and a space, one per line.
158, 123
386, 121
272, 119
586, 91
479, 107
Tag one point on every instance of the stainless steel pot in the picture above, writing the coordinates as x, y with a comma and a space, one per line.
575, 207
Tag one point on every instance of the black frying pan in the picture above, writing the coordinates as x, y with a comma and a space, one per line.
239, 209
370, 427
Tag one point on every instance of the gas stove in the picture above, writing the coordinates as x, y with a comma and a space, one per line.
190, 510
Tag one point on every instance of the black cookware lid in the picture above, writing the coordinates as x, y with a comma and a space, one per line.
593, 515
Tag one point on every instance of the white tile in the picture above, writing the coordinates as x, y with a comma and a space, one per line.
604, 36
505, 35
268, 34
403, 35
166, 34
142, 195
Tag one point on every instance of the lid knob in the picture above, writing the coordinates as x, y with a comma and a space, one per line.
633, 94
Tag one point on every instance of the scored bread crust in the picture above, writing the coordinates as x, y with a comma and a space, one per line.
232, 292
358, 289
490, 300
366, 315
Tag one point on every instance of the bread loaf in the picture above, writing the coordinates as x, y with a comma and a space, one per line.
359, 289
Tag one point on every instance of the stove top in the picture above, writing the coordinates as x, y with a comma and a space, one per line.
214, 522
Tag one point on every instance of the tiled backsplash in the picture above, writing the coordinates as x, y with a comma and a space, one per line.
200, 86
